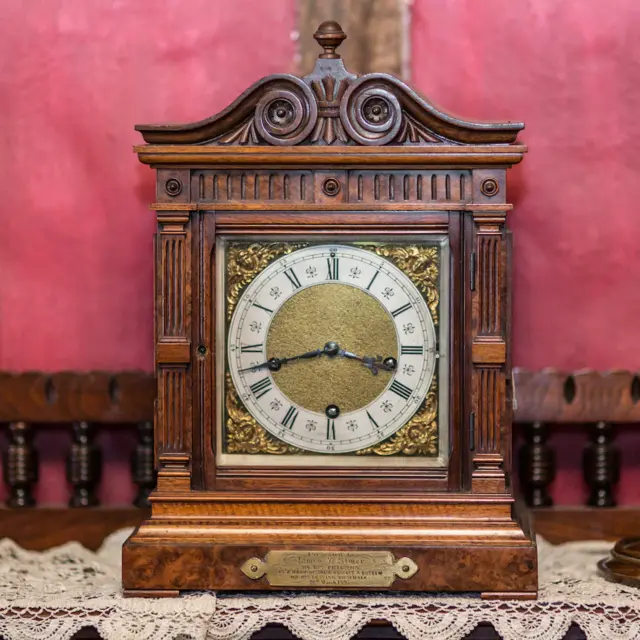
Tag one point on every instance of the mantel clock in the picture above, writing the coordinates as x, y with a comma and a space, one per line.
332, 345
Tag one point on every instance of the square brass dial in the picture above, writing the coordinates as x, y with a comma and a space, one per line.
321, 307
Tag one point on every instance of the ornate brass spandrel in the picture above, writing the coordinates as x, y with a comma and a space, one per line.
243, 433
421, 264
246, 260
419, 437
292, 568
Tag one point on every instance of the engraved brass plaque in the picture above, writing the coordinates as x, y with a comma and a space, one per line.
329, 568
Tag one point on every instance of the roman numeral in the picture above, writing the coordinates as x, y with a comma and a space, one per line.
251, 348
411, 351
293, 278
333, 265
373, 422
331, 429
402, 309
375, 275
255, 304
400, 389
261, 387
290, 417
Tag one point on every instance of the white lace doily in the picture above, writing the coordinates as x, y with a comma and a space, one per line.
51, 595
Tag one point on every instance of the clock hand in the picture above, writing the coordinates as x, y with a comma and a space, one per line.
373, 363
274, 364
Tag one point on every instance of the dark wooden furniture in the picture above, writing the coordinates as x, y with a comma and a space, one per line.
83, 401
596, 399
42, 400
332, 153
32, 403
82, 404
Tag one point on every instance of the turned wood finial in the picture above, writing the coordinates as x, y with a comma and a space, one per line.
329, 36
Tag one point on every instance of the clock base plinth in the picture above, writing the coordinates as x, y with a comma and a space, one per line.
509, 595
459, 543
150, 593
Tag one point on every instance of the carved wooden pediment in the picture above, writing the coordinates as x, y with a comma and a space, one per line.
331, 107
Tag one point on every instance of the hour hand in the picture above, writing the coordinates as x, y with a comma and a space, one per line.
274, 364
373, 363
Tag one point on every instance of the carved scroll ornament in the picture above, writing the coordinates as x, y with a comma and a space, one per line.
331, 106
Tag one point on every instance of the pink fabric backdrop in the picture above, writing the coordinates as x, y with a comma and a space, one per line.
75, 247
570, 71
76, 243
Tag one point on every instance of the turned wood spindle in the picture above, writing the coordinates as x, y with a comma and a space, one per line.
601, 465
84, 466
537, 466
142, 464
20, 465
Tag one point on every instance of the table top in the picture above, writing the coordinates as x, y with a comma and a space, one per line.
53, 594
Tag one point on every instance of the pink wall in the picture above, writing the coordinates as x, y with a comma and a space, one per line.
75, 247
76, 237
570, 71
76, 242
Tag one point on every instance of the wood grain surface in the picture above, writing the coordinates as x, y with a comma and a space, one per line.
69, 396
584, 396
90, 526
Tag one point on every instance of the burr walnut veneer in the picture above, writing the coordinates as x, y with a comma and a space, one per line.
331, 160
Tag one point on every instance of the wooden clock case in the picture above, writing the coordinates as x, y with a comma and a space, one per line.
332, 153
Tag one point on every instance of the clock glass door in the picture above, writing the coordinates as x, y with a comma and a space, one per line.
335, 351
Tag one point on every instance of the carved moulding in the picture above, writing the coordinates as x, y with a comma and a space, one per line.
331, 106
285, 114
244, 435
375, 109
